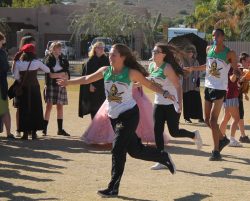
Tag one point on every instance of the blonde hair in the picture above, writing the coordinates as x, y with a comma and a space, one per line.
92, 51
54, 45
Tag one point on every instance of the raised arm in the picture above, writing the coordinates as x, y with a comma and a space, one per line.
136, 76
83, 79
169, 72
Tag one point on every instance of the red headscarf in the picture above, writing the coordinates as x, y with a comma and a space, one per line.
28, 48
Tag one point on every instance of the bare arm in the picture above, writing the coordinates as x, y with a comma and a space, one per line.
136, 76
169, 72
83, 79
57, 75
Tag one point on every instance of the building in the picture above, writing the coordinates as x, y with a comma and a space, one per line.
52, 22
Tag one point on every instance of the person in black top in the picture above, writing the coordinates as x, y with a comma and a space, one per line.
93, 95
54, 94
4, 109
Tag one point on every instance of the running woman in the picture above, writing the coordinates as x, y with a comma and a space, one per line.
166, 72
123, 112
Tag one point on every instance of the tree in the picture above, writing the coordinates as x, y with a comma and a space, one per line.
5, 3
31, 3
245, 31
107, 18
226, 14
3, 26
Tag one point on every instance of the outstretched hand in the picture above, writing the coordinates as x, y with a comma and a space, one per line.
62, 82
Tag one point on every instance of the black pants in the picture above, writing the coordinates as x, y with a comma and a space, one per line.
167, 113
192, 106
126, 141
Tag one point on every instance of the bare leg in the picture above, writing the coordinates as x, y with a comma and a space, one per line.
234, 111
207, 108
48, 111
17, 119
59, 108
241, 125
215, 112
7, 122
225, 120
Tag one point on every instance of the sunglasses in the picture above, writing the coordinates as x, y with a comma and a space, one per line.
156, 52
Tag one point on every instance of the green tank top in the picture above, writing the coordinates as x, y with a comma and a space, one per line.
118, 90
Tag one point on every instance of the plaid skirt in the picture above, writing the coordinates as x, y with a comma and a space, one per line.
55, 95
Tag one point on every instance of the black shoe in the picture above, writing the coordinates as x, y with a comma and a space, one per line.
25, 136
215, 156
244, 139
63, 132
224, 142
188, 121
34, 136
44, 132
107, 193
11, 137
201, 121
169, 163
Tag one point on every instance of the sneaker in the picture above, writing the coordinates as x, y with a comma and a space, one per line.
244, 139
201, 121
63, 132
18, 134
198, 140
44, 132
215, 156
34, 136
169, 163
188, 121
234, 143
11, 137
107, 193
224, 142
158, 166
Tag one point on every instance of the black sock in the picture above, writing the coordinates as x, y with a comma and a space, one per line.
59, 124
45, 122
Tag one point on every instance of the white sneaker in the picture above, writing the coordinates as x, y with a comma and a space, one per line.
158, 166
234, 143
198, 140
18, 134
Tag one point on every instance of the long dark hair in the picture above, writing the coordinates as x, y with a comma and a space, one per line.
130, 60
171, 57
27, 56
26, 40
243, 56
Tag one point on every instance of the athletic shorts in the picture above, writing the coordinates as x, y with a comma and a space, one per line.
214, 94
231, 102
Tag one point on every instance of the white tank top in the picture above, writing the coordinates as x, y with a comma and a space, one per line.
118, 90
158, 77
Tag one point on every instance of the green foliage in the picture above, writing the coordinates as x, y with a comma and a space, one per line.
229, 15
4, 26
109, 19
31, 3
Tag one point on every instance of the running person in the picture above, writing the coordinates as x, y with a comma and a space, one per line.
123, 112
166, 72
219, 60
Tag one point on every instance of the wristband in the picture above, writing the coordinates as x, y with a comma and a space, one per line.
165, 93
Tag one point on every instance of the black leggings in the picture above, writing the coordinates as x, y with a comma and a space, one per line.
167, 113
126, 141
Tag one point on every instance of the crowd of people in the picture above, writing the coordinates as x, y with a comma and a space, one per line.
111, 92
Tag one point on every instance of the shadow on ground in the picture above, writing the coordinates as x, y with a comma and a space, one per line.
19, 158
193, 197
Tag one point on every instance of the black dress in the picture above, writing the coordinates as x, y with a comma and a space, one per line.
90, 102
30, 104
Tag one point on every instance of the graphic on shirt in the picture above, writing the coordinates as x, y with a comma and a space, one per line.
214, 71
155, 83
113, 94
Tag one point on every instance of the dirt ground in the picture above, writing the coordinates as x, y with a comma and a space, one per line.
64, 168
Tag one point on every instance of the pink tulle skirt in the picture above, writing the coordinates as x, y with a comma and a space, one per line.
100, 130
